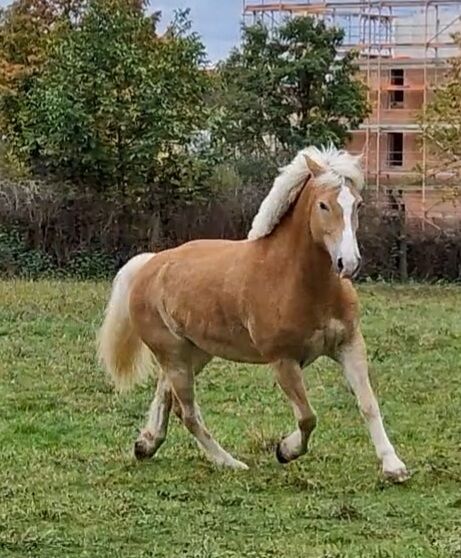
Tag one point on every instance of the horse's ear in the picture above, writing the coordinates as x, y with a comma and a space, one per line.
294, 194
313, 166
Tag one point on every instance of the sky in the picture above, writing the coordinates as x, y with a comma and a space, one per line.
217, 21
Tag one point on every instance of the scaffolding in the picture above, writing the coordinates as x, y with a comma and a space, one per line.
404, 49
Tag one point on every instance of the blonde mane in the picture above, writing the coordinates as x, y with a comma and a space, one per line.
338, 164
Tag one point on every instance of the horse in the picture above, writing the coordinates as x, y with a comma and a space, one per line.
283, 297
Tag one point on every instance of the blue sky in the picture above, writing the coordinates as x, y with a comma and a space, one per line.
217, 21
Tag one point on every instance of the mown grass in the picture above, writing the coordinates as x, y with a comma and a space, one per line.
69, 486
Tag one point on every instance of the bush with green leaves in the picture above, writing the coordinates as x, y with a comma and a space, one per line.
17, 259
90, 264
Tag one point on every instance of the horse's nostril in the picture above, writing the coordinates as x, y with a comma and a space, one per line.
340, 264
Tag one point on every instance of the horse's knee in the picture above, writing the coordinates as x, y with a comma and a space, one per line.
369, 410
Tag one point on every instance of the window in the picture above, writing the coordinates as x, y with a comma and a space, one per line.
395, 149
397, 96
398, 77
396, 99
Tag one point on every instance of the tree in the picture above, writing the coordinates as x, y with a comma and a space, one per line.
25, 30
27, 27
114, 105
442, 121
289, 89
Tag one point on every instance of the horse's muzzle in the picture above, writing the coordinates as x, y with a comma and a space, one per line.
353, 274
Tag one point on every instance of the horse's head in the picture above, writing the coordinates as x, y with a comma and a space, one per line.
334, 218
331, 179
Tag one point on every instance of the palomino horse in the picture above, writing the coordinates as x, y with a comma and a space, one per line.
282, 297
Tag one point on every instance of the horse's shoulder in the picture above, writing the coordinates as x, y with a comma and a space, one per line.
348, 311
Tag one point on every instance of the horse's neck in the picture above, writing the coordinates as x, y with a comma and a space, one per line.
291, 244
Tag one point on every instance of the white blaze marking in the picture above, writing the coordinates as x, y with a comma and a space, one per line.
348, 249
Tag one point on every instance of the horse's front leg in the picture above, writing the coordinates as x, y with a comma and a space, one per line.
290, 378
353, 358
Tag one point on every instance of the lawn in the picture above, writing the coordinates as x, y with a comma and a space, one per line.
70, 487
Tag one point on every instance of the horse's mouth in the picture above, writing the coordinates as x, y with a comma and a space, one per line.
351, 276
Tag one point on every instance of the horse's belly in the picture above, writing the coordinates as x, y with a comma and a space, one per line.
218, 334
236, 346
228, 352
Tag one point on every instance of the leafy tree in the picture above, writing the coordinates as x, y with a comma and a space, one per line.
442, 121
289, 88
114, 102
25, 30
27, 27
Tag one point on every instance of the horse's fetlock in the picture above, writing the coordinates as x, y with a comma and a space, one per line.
308, 424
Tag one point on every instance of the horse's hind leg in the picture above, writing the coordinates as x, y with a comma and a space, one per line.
290, 378
181, 378
154, 433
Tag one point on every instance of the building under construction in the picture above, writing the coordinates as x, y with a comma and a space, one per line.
404, 48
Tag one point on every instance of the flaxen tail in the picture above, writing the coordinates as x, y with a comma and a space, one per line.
121, 351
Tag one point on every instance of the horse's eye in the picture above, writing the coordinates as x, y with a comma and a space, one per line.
359, 205
324, 206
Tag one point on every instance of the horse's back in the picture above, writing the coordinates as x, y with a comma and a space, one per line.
194, 260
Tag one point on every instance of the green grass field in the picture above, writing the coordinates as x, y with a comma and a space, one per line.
70, 487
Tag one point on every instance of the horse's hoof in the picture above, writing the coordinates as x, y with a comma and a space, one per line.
279, 455
397, 476
237, 465
395, 470
142, 450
